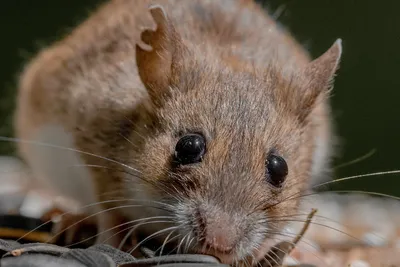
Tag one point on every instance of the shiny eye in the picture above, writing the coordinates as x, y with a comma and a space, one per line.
190, 149
276, 170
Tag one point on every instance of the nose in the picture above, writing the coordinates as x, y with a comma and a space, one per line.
217, 230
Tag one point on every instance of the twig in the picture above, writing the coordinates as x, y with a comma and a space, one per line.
305, 228
277, 253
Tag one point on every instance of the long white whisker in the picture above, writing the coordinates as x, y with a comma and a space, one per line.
357, 192
117, 226
123, 171
188, 245
127, 235
307, 249
324, 225
369, 154
180, 243
152, 235
127, 139
357, 176
300, 194
16, 140
84, 207
165, 242
92, 215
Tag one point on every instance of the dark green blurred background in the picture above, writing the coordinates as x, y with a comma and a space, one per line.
367, 89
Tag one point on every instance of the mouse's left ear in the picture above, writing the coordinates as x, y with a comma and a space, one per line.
159, 55
319, 75
322, 69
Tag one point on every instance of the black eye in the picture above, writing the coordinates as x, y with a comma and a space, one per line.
190, 149
277, 170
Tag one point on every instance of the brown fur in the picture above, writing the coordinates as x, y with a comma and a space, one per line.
127, 89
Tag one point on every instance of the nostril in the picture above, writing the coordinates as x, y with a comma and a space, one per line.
215, 230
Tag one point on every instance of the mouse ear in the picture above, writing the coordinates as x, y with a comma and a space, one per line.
157, 55
320, 73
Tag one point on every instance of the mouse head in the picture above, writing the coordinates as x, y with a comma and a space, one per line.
229, 151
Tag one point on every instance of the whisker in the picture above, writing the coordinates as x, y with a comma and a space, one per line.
348, 191
113, 193
16, 140
286, 253
289, 248
357, 176
359, 159
246, 262
256, 261
252, 260
165, 242
275, 257
366, 192
294, 215
176, 248
259, 264
133, 130
292, 235
300, 194
130, 231
152, 235
268, 257
324, 225
127, 235
188, 245
126, 172
83, 207
115, 227
181, 243
128, 140
90, 216
108, 168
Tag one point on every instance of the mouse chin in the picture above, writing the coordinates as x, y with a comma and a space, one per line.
233, 258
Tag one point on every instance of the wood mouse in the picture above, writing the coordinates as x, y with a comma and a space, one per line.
201, 120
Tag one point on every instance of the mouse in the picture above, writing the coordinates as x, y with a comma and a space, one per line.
201, 122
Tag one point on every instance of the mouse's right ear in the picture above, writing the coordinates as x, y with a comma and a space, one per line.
158, 55
319, 75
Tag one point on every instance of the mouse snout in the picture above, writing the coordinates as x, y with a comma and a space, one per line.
217, 230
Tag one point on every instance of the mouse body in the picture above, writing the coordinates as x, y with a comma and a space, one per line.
201, 120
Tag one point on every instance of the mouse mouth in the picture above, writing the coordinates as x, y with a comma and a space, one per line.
154, 245
225, 256
236, 255
232, 258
